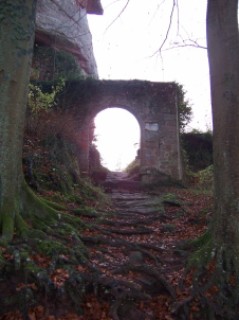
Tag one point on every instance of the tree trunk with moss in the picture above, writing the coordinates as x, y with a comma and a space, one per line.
223, 53
17, 29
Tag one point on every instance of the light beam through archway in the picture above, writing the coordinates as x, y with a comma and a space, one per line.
117, 137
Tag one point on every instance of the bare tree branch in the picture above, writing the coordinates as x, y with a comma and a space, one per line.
186, 43
118, 16
156, 11
178, 15
183, 43
174, 5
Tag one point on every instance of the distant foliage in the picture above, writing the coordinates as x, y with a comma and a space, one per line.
98, 173
197, 148
184, 109
133, 168
206, 177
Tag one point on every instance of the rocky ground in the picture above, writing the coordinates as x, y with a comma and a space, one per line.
137, 249
137, 258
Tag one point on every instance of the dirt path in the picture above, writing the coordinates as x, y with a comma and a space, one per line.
135, 249
135, 265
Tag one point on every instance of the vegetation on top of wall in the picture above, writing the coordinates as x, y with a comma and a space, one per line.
132, 89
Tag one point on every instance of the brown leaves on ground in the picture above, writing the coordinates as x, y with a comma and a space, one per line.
118, 253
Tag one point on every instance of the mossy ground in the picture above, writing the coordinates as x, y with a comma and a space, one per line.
45, 260
42, 261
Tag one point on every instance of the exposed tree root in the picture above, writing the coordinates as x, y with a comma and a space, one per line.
137, 212
160, 284
181, 307
203, 250
118, 292
123, 271
140, 230
133, 222
215, 286
120, 243
48, 233
44, 229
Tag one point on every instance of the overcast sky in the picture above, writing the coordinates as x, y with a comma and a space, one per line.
128, 47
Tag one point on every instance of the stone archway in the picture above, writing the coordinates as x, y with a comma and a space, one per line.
153, 104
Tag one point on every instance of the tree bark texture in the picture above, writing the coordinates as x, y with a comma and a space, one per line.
223, 53
17, 29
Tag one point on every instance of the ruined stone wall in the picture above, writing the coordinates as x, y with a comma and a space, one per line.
153, 104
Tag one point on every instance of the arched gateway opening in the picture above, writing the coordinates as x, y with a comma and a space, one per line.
117, 138
153, 104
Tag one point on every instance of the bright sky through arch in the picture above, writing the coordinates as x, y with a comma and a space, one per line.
117, 135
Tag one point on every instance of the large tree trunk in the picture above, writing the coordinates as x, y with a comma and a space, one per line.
223, 54
17, 29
